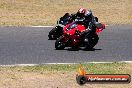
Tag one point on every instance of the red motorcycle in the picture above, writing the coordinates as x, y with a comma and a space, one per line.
75, 35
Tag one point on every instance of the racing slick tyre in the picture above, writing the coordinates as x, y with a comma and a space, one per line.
91, 41
81, 80
59, 44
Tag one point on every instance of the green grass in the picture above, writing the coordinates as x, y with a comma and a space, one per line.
92, 68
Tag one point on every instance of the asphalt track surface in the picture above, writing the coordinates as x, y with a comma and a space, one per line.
30, 45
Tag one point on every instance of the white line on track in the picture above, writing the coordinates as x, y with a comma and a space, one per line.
126, 61
63, 63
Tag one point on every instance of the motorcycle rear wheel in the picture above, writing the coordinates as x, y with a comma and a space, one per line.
92, 41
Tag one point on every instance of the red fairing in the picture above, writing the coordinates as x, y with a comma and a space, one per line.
71, 32
70, 29
98, 30
81, 28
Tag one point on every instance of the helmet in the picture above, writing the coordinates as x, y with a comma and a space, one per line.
81, 12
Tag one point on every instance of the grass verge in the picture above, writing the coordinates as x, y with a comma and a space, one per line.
99, 68
59, 75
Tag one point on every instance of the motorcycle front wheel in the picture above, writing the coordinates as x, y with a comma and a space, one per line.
60, 44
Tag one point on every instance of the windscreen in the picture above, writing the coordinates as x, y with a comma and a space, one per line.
64, 21
71, 26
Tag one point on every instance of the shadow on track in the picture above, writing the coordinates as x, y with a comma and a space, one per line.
70, 49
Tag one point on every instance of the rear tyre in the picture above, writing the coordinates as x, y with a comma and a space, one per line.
60, 44
91, 41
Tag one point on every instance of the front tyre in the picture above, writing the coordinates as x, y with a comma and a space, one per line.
60, 44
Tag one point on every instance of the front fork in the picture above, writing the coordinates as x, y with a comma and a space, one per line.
72, 41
